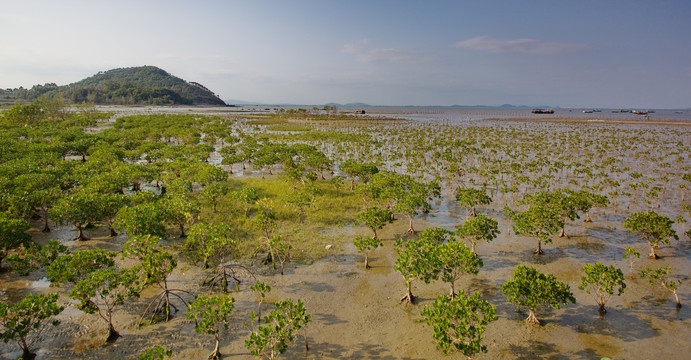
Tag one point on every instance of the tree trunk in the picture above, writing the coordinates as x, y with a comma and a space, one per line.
26, 352
452, 292
112, 334
539, 248
366, 261
81, 236
182, 231
653, 254
631, 269
46, 228
676, 297
112, 232
472, 212
562, 233
472, 246
216, 355
532, 319
410, 229
409, 294
587, 217
601, 309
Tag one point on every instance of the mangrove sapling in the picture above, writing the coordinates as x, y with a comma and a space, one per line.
416, 259
362, 171
44, 199
654, 228
265, 219
531, 288
660, 275
375, 218
157, 352
33, 257
24, 321
459, 322
224, 271
230, 156
541, 220
109, 205
84, 206
180, 210
454, 260
586, 201
102, 290
470, 198
76, 266
631, 255
601, 282
147, 218
365, 244
477, 229
213, 192
283, 327
567, 201
209, 243
681, 220
156, 265
300, 200
509, 214
280, 250
211, 315
261, 289
412, 196
248, 196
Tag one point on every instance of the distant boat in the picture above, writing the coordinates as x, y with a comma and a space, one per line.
543, 111
588, 111
640, 112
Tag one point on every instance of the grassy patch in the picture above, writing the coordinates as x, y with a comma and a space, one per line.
288, 127
325, 221
267, 121
327, 136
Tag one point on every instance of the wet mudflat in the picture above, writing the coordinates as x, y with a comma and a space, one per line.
356, 313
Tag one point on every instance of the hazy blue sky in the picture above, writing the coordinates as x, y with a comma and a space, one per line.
603, 53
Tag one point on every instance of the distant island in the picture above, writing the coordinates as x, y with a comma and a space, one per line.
143, 85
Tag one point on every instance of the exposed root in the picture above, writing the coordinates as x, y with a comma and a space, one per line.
532, 319
408, 298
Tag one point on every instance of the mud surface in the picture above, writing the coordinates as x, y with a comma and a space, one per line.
356, 313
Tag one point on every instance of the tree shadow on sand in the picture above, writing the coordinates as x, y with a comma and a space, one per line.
590, 250
660, 307
618, 323
358, 351
503, 259
550, 254
327, 319
543, 350
311, 286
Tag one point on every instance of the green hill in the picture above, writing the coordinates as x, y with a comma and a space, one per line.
143, 85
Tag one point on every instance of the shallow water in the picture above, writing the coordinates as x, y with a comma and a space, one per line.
356, 313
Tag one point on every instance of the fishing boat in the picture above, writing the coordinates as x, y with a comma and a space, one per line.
543, 111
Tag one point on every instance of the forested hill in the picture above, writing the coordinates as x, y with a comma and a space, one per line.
144, 85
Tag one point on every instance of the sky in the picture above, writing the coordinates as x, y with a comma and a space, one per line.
605, 54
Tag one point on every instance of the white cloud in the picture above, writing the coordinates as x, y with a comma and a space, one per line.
525, 46
364, 53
